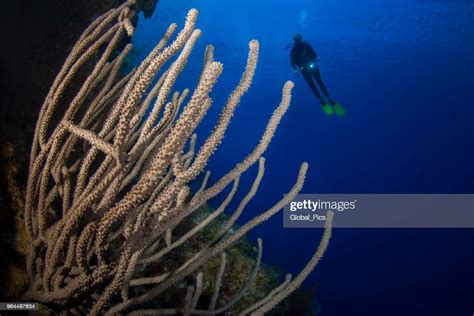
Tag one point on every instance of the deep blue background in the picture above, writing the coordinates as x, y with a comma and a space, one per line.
404, 71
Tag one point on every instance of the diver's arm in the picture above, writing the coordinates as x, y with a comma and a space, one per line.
293, 62
295, 69
314, 52
292, 57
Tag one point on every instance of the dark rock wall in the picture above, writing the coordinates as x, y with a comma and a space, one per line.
36, 38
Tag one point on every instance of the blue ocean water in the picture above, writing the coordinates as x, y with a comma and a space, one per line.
404, 71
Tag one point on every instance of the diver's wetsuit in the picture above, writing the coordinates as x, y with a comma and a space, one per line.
302, 56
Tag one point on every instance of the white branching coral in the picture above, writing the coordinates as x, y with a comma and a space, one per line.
108, 183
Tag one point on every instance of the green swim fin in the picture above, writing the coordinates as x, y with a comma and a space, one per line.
327, 109
340, 111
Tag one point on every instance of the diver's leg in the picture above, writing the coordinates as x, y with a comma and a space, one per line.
317, 76
309, 79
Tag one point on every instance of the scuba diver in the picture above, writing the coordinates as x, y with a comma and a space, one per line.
303, 58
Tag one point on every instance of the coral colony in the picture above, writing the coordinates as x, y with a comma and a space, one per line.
109, 180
